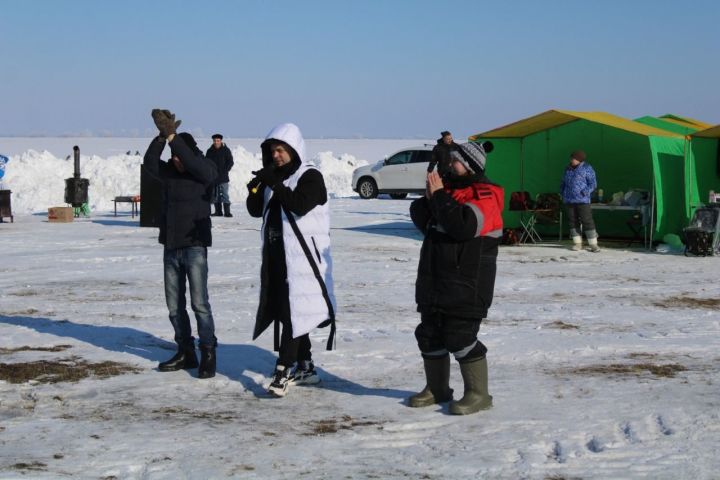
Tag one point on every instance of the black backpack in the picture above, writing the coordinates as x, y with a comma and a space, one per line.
702, 237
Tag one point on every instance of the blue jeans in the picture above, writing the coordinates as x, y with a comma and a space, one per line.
221, 193
190, 263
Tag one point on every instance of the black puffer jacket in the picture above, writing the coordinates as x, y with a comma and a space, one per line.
441, 157
456, 274
223, 159
185, 218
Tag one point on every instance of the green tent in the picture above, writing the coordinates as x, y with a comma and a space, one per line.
531, 154
674, 123
703, 166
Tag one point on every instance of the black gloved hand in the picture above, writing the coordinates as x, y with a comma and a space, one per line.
267, 176
165, 122
253, 185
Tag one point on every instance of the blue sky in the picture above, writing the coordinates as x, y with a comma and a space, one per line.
373, 68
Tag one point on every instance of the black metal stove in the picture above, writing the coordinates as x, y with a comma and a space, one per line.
76, 188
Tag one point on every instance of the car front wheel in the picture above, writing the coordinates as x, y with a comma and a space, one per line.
367, 188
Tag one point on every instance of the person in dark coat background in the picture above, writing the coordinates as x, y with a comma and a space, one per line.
185, 231
221, 155
441, 154
461, 218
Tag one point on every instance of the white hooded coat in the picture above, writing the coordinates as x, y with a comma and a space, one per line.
309, 305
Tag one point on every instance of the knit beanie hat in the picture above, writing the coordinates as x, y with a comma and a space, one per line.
472, 155
578, 155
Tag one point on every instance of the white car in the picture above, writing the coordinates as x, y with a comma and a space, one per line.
399, 174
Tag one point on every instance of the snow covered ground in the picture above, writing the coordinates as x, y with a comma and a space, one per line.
601, 365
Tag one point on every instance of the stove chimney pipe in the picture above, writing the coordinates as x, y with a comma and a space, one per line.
76, 154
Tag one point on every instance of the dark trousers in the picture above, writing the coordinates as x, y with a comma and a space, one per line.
188, 263
291, 349
439, 334
581, 214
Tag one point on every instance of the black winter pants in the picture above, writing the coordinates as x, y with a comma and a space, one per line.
293, 349
439, 334
581, 213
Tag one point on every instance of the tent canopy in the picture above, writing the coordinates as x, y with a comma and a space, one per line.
711, 132
555, 118
685, 121
673, 123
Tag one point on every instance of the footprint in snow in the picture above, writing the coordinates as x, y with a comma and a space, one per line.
662, 425
557, 453
595, 445
629, 433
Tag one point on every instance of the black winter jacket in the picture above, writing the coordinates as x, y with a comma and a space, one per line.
456, 273
441, 157
185, 217
223, 159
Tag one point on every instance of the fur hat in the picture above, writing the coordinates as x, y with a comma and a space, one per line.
578, 155
217, 135
472, 155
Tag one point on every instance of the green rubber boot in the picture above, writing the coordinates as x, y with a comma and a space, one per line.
476, 397
437, 388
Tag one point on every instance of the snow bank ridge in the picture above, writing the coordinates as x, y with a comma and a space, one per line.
37, 179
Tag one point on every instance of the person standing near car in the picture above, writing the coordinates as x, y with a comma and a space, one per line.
577, 185
185, 231
441, 154
461, 219
221, 155
296, 284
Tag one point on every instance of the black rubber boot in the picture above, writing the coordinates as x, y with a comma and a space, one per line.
227, 209
476, 397
184, 359
207, 362
437, 388
218, 210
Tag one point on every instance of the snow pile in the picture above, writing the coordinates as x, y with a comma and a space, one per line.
338, 172
37, 179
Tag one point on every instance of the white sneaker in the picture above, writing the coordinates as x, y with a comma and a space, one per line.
305, 374
280, 382
577, 247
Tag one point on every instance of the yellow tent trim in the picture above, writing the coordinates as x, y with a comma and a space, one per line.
685, 121
554, 118
712, 132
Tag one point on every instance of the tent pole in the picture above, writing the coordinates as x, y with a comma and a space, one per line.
652, 214
522, 164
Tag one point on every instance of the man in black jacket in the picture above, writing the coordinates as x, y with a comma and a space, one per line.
441, 154
221, 155
187, 179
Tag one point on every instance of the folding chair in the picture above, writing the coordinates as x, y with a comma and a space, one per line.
521, 201
548, 211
